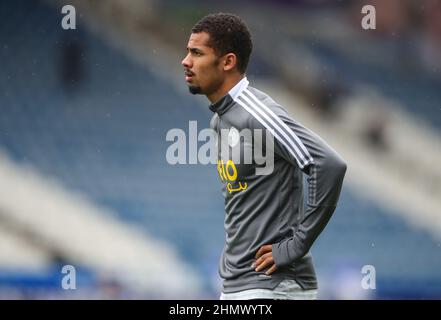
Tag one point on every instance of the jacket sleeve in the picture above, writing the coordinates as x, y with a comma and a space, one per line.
325, 169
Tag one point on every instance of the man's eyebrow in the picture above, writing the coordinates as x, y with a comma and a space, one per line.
194, 50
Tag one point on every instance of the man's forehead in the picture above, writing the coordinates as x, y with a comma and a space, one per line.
199, 39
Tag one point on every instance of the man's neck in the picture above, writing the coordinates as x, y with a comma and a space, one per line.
228, 84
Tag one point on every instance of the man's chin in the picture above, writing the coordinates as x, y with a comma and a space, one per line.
195, 89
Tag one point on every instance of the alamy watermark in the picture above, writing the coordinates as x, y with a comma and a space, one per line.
369, 20
69, 281
368, 281
238, 147
69, 20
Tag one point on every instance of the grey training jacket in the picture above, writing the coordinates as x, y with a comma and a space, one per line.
266, 206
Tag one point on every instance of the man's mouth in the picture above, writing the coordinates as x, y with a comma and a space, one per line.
188, 75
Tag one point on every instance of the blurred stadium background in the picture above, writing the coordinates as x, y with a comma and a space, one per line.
83, 119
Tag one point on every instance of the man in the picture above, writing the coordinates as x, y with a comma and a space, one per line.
268, 232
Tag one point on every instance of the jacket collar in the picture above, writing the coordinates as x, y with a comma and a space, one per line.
226, 102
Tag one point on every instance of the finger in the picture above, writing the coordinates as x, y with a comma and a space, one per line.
259, 252
272, 269
267, 262
264, 265
261, 259
263, 249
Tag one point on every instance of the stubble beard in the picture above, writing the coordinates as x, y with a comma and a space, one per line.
195, 89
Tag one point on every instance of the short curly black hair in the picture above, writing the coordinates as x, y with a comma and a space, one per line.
228, 33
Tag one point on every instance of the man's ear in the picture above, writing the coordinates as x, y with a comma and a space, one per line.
230, 61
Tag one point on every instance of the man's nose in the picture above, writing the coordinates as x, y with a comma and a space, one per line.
186, 62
